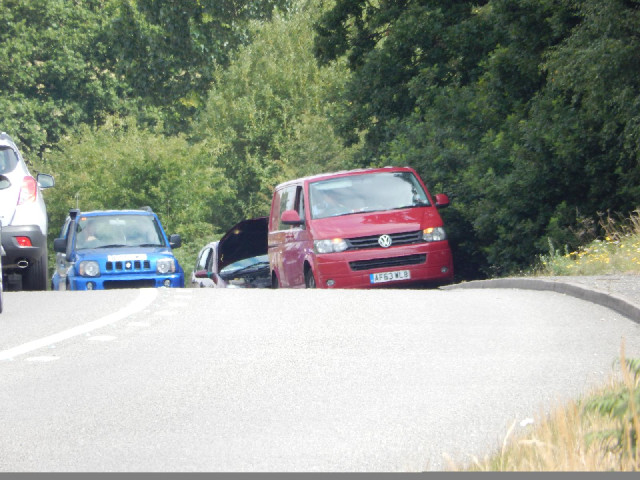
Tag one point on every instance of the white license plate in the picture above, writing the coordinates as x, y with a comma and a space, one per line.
389, 276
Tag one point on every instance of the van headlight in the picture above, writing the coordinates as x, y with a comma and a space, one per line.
330, 246
88, 268
166, 265
436, 234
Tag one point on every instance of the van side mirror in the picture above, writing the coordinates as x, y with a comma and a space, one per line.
442, 200
291, 217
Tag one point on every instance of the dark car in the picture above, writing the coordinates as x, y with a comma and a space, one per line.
238, 260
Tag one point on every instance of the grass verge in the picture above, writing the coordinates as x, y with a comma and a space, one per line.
617, 252
597, 433
600, 431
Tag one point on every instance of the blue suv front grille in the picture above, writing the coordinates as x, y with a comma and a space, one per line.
128, 266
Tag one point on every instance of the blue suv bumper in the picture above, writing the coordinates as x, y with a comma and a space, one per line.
108, 282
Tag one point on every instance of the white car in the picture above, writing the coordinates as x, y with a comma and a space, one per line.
23, 217
238, 260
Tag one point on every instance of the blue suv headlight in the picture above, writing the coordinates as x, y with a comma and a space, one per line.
166, 265
89, 268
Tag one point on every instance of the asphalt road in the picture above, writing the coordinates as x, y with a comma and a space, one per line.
262, 380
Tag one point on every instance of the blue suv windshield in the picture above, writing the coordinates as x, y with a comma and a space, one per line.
113, 231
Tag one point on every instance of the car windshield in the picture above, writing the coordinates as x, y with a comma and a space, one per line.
245, 264
8, 160
368, 192
113, 231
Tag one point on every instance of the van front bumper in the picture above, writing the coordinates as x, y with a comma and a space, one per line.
427, 263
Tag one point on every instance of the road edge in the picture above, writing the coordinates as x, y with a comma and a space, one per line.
614, 302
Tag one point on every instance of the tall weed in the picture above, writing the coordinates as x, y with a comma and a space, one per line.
617, 252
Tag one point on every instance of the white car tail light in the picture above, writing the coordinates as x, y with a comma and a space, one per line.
28, 191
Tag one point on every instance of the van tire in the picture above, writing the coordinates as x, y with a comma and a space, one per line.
274, 281
309, 279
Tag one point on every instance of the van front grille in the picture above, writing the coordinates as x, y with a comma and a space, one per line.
371, 241
388, 262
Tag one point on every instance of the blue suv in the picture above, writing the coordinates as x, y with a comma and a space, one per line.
110, 249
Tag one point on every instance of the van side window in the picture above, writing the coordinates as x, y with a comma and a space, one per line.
287, 202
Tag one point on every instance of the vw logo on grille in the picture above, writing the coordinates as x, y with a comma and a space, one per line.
385, 241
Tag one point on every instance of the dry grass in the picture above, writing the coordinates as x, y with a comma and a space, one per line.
617, 252
600, 431
594, 434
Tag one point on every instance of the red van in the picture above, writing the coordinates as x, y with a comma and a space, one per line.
358, 229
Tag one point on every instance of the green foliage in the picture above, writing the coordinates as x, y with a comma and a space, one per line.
524, 111
169, 50
618, 252
267, 120
118, 166
621, 405
68, 63
270, 113
50, 80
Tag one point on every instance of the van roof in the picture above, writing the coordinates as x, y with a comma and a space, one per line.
343, 173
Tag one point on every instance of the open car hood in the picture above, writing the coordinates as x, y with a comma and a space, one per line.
245, 239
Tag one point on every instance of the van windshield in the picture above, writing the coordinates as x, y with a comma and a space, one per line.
113, 231
367, 192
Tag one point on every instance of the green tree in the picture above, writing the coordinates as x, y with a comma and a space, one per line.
522, 110
50, 81
66, 63
169, 50
118, 166
270, 112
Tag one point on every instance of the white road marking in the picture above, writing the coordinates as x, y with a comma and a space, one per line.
145, 298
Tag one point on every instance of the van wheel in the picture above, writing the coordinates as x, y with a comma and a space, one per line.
274, 281
309, 279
